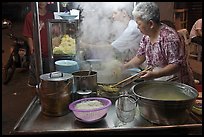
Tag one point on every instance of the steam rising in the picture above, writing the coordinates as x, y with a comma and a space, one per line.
99, 30
97, 26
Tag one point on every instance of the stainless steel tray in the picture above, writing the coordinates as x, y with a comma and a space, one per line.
34, 122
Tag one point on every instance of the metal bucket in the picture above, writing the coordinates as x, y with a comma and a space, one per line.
164, 103
55, 93
83, 81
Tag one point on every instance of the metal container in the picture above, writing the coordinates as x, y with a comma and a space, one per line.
125, 106
83, 81
108, 70
164, 103
55, 93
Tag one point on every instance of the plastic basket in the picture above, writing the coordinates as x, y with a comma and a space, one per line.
93, 114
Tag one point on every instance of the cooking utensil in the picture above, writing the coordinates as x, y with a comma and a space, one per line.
133, 71
164, 103
125, 108
55, 93
90, 69
173, 79
93, 62
130, 79
84, 81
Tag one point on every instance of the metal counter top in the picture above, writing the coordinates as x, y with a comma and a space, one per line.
34, 122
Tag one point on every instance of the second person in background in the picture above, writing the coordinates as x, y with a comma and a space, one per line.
127, 43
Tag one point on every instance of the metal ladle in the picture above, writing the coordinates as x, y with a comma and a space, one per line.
91, 61
90, 69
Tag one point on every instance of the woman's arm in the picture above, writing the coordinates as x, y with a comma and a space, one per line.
30, 44
166, 71
135, 62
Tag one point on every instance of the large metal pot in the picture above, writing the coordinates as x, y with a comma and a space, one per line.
55, 93
164, 103
108, 71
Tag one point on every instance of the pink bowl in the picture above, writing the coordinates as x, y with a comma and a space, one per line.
93, 114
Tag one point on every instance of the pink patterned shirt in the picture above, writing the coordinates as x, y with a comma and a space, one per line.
168, 49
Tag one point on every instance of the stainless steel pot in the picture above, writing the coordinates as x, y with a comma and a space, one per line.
108, 70
55, 93
83, 81
164, 103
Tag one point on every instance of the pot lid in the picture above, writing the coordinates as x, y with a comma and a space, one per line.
56, 76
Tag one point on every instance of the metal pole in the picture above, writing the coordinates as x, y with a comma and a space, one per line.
37, 42
58, 7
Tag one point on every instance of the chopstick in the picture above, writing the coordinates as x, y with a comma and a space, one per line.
131, 78
173, 79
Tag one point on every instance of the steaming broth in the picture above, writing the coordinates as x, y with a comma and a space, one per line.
162, 93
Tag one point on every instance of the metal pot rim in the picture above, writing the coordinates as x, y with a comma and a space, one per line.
164, 82
76, 73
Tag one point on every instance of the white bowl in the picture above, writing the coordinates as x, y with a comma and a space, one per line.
67, 16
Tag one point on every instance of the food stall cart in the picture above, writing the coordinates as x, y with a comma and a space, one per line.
34, 122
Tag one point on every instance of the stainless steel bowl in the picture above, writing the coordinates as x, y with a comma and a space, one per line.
165, 103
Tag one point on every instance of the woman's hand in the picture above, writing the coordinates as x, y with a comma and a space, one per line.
157, 72
147, 75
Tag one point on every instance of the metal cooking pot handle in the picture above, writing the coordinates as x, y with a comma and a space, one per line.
54, 76
38, 92
67, 84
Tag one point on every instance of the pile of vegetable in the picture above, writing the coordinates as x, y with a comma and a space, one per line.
67, 46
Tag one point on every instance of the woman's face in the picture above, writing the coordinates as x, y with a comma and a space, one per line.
142, 26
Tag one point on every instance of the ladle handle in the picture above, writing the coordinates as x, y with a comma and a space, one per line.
90, 70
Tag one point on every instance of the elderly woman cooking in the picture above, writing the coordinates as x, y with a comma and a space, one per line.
160, 47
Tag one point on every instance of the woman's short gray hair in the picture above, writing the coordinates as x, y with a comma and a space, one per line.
147, 11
